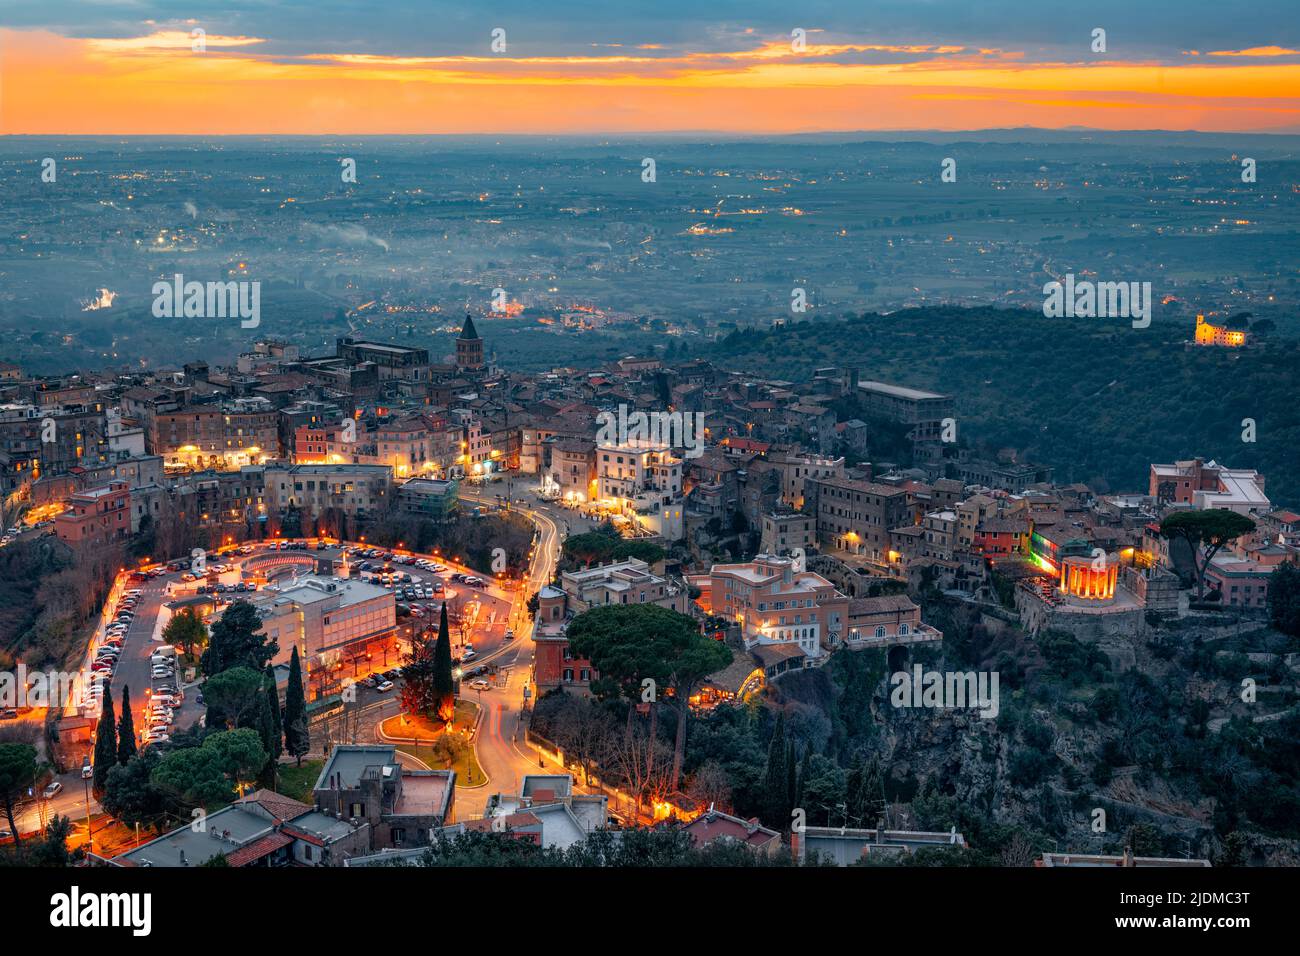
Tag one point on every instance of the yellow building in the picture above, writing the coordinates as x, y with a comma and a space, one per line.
1207, 334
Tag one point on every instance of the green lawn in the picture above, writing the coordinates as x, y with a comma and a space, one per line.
296, 782
468, 772
405, 727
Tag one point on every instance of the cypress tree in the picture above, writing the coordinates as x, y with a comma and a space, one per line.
792, 780
125, 730
105, 743
873, 793
853, 791
296, 736
775, 781
277, 719
443, 685
805, 772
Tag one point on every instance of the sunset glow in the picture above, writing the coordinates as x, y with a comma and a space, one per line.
155, 83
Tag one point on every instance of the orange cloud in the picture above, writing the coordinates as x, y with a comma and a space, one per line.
166, 41
1256, 51
155, 84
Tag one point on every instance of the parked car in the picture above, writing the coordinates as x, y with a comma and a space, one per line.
480, 684
384, 685
53, 790
8, 714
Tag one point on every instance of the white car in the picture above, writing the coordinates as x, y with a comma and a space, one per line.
384, 685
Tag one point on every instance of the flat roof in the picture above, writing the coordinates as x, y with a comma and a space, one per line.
899, 391
425, 792
350, 762
311, 588
224, 833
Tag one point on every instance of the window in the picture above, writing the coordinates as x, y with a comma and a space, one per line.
399, 835
903, 629
880, 630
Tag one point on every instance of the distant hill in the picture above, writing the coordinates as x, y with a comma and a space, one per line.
1095, 398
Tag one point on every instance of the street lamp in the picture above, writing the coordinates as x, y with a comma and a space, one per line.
86, 773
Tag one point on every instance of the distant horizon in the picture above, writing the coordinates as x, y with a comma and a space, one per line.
635, 135
727, 67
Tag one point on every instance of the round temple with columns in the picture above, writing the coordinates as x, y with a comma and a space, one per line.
1089, 580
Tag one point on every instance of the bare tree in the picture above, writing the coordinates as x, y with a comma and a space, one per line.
710, 786
582, 729
642, 761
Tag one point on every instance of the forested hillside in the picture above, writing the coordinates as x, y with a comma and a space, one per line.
1095, 398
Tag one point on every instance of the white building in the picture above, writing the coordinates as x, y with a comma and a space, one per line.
644, 479
333, 622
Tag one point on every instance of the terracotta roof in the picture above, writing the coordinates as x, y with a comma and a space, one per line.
769, 654
258, 849
277, 804
524, 818
886, 603
715, 825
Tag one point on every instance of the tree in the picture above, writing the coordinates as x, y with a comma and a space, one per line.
710, 786
582, 728
775, 779
237, 641
418, 667
105, 744
631, 643
185, 630
805, 774
1284, 598
264, 725
444, 687
125, 730
52, 850
17, 773
234, 698
130, 796
276, 747
210, 773
297, 739
693, 657
1205, 532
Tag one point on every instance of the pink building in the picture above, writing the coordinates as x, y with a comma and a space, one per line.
776, 602
96, 516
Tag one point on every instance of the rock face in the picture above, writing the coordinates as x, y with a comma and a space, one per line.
1048, 762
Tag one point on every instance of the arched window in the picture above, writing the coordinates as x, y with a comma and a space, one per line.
902, 630
880, 630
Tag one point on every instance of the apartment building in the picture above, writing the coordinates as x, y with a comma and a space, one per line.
785, 533
776, 603
96, 516
645, 480
856, 516
623, 582
356, 490
401, 807
1207, 484
332, 622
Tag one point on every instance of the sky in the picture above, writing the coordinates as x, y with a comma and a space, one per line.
149, 67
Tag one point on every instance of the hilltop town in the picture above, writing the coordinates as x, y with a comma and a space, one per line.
833, 563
